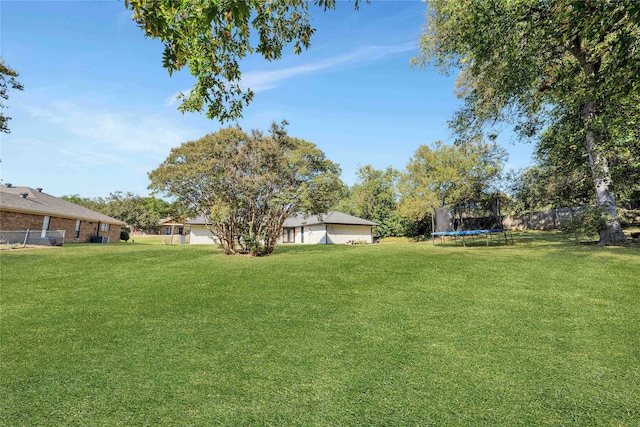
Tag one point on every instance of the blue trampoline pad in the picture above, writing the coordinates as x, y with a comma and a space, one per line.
469, 232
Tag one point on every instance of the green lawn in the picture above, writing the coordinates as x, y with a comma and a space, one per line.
544, 332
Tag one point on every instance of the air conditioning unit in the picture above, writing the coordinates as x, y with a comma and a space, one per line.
100, 239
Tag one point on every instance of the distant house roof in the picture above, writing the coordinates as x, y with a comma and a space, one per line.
200, 220
28, 200
300, 219
171, 220
332, 217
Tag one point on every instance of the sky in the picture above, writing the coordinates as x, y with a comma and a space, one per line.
98, 111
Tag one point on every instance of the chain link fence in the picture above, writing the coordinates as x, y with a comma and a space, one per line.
31, 237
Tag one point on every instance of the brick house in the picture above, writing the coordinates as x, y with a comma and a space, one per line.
25, 208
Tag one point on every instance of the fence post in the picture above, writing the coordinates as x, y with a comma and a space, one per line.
26, 237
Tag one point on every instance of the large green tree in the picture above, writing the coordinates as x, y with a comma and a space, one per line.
460, 176
546, 186
7, 81
524, 60
561, 151
134, 210
97, 204
246, 185
143, 213
211, 37
374, 196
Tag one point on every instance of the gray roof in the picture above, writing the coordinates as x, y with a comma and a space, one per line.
171, 220
37, 202
300, 219
331, 217
200, 220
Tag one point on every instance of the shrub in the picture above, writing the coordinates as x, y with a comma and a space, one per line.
124, 234
629, 217
588, 222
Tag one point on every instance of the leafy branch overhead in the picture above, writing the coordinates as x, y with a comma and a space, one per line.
7, 80
212, 37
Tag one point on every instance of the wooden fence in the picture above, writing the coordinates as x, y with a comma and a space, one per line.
545, 220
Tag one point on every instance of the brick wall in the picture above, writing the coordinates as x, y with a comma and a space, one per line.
24, 221
19, 221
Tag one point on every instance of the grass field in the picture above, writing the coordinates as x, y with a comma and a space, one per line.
544, 332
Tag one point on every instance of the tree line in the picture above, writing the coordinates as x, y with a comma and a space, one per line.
244, 185
563, 74
140, 213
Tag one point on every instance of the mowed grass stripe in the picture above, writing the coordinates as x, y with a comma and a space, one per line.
538, 333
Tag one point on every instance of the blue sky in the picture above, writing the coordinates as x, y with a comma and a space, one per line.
98, 111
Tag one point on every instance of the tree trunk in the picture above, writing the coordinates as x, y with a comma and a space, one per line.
605, 197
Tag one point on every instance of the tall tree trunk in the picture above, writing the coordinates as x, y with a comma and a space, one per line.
605, 198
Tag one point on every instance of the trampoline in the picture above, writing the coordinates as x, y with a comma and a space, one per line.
455, 234
443, 226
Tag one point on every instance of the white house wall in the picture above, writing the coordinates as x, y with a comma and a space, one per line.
312, 235
331, 234
199, 235
340, 234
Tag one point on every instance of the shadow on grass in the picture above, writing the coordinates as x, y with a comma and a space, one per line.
291, 249
537, 241
546, 243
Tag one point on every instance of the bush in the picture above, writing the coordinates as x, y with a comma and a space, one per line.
588, 222
356, 242
629, 217
124, 234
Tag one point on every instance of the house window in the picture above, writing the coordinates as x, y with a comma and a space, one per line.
45, 225
104, 227
76, 234
301, 234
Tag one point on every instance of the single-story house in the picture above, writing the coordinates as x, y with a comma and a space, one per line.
25, 208
170, 226
199, 234
331, 228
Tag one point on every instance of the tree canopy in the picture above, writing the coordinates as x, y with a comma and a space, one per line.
246, 185
212, 37
142, 213
457, 176
536, 64
374, 196
7, 81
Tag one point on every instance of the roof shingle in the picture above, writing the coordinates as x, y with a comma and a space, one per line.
37, 202
332, 217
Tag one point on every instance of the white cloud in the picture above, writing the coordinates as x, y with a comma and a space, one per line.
85, 157
119, 132
260, 81
173, 99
